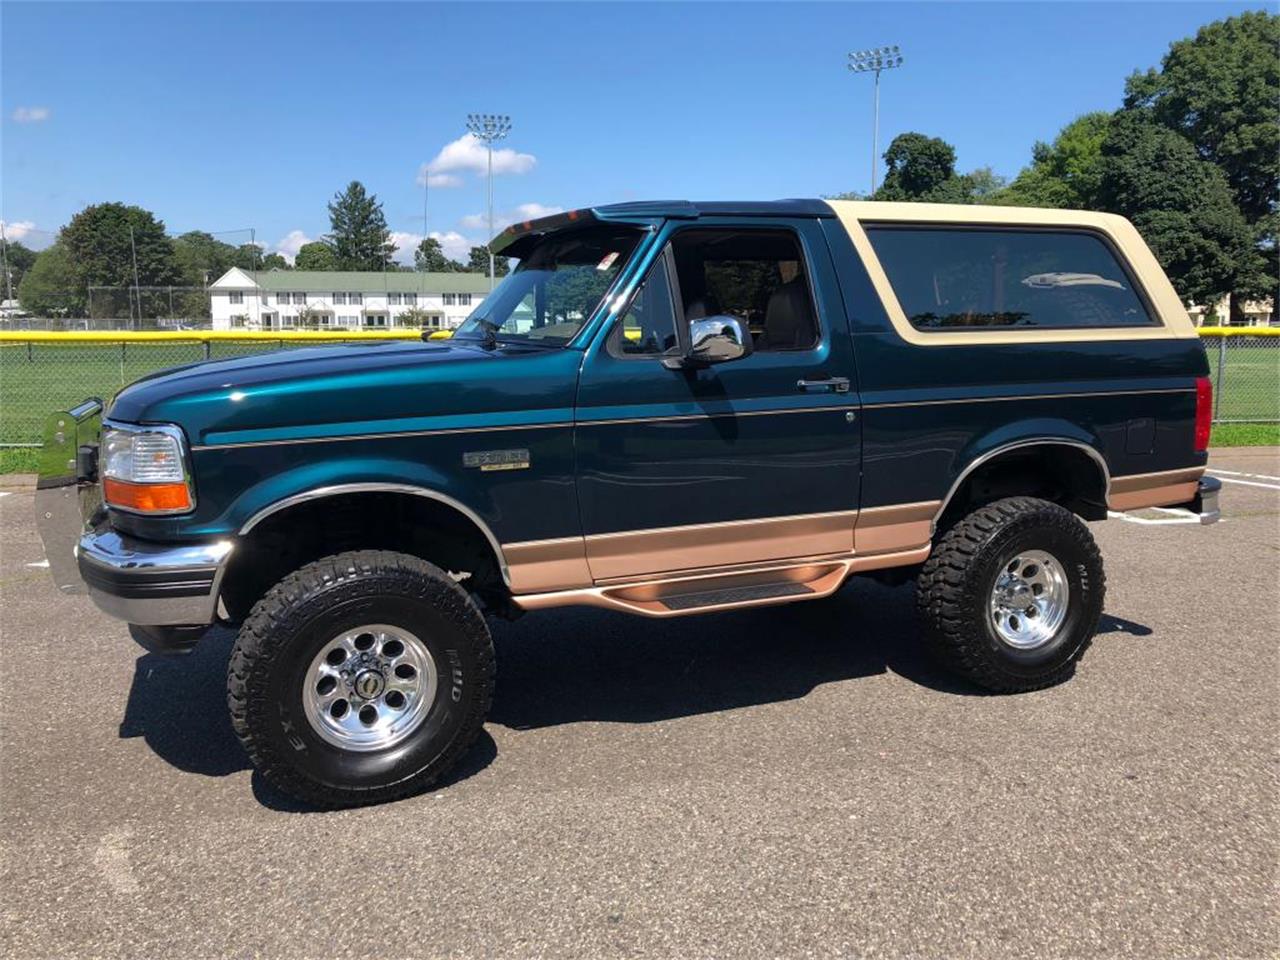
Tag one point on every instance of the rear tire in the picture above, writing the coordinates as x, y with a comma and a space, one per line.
1011, 596
360, 678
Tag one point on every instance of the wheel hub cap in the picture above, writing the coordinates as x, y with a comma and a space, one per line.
1029, 599
370, 687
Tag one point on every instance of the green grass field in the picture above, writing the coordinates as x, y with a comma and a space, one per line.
39, 378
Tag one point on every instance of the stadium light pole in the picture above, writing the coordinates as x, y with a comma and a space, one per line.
489, 128
873, 61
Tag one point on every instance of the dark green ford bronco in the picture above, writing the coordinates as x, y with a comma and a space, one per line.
666, 409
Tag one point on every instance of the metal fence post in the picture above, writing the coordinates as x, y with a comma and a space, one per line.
1222, 369
207, 345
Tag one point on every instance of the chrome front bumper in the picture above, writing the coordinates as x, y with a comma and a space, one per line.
138, 581
152, 584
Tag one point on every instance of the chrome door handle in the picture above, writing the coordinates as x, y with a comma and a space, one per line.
829, 385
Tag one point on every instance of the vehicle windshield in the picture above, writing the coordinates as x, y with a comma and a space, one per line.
555, 288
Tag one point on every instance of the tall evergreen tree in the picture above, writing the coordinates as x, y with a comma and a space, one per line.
358, 230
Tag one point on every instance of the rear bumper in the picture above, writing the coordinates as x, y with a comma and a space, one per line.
1206, 500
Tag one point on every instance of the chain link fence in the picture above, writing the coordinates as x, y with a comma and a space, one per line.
1245, 368
38, 376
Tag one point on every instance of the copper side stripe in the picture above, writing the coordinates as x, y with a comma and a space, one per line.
902, 526
640, 552
1160, 489
541, 565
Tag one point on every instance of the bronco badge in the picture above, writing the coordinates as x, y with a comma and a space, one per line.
488, 460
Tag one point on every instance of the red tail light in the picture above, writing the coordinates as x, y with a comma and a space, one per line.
1204, 412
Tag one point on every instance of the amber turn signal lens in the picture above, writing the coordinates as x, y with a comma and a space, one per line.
146, 497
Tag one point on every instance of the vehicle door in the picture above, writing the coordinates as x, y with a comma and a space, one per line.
755, 460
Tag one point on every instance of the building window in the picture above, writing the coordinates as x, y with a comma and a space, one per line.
288, 321
348, 321
239, 320
236, 296
393, 299
457, 299
355, 299
410, 299
299, 298
339, 298
375, 320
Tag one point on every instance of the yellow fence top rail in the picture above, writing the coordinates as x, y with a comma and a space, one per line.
1239, 331
205, 336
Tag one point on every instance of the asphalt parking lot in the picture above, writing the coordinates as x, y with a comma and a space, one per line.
797, 781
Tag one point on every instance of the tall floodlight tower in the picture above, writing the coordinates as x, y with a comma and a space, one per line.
489, 128
873, 61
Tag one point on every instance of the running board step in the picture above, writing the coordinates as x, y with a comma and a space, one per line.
733, 596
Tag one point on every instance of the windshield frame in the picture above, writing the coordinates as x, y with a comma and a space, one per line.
623, 278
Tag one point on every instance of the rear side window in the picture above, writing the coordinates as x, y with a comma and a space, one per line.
962, 278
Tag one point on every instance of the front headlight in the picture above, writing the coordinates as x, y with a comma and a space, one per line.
145, 469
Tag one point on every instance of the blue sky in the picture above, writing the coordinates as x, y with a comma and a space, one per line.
223, 116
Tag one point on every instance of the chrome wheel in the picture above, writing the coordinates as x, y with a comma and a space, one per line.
370, 687
1029, 599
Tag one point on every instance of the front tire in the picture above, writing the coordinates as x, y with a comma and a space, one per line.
360, 678
1011, 596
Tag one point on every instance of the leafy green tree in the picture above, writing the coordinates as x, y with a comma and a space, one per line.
983, 184
99, 243
920, 168
415, 317
1219, 89
358, 230
18, 258
478, 262
316, 255
1182, 205
1064, 173
430, 258
274, 261
201, 257
50, 286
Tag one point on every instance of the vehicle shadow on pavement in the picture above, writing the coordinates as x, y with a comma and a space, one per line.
589, 664
178, 706
585, 664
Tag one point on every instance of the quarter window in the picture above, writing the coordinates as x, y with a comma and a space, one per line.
758, 276
648, 328
962, 278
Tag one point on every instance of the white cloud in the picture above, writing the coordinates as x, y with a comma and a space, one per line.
291, 244
455, 245
504, 218
31, 114
468, 153
18, 230
405, 243
426, 178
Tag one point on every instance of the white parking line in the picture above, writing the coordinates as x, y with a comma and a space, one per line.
1238, 473
1182, 516
1251, 483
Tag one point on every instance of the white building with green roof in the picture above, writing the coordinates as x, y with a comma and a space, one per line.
342, 299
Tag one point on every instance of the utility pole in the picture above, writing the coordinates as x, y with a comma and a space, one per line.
489, 128
4, 263
137, 292
873, 61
